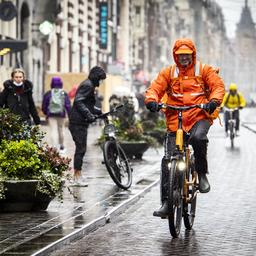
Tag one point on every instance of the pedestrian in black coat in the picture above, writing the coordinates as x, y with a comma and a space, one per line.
83, 112
17, 95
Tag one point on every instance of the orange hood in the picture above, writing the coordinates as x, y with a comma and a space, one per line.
184, 41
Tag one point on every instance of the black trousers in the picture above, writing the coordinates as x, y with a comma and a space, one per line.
198, 139
79, 135
227, 116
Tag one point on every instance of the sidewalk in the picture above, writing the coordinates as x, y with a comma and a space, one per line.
27, 233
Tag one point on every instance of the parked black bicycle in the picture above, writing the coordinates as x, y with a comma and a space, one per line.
115, 158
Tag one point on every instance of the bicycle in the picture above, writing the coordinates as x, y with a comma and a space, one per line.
231, 124
182, 178
115, 159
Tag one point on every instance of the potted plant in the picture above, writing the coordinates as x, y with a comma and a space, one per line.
31, 172
130, 131
153, 125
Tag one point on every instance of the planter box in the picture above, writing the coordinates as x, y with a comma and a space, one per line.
134, 149
22, 196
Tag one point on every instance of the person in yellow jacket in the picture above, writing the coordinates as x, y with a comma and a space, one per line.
233, 100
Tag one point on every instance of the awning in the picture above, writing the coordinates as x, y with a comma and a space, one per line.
9, 45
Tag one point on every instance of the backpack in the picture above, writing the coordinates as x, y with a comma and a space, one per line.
57, 101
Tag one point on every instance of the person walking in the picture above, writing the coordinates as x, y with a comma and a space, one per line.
185, 83
83, 112
17, 95
56, 106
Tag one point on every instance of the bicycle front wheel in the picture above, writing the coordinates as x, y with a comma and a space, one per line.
175, 192
117, 164
232, 134
189, 204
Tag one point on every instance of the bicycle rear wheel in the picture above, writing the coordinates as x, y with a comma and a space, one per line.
117, 164
175, 192
189, 204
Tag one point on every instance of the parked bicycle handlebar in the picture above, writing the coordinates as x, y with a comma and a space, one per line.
104, 115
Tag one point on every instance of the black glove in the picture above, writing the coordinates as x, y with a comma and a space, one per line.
152, 106
211, 106
91, 118
240, 107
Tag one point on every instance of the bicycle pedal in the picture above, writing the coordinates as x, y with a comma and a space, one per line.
102, 162
164, 218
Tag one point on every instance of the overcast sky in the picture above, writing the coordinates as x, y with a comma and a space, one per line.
232, 12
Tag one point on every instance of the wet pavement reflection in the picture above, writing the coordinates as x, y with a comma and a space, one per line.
25, 233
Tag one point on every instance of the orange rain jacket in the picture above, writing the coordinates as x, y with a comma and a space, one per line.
186, 90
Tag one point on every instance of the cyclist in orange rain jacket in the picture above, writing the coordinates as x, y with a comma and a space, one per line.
185, 83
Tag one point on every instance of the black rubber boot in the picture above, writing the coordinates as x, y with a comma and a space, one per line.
204, 185
162, 211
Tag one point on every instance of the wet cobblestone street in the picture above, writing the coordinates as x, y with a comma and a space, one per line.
225, 220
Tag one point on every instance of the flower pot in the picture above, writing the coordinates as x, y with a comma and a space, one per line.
134, 149
21, 196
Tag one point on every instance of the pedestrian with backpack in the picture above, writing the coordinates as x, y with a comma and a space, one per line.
186, 82
56, 106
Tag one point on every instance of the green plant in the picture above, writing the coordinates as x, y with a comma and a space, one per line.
12, 128
23, 160
154, 125
128, 128
24, 157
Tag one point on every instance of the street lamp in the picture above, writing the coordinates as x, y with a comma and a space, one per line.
46, 27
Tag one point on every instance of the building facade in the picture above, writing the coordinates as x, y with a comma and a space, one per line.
128, 38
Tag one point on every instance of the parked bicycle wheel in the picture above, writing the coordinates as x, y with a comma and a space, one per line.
117, 164
175, 199
189, 204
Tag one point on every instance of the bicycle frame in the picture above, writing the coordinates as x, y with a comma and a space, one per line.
231, 124
184, 150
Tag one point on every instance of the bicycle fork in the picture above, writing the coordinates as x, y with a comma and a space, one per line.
189, 185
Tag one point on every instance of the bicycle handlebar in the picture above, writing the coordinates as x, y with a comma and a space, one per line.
230, 109
181, 108
104, 115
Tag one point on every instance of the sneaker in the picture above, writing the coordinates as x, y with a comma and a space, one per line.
78, 182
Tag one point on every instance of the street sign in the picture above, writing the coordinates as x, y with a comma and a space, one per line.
103, 25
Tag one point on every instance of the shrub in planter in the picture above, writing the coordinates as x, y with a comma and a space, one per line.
154, 125
23, 157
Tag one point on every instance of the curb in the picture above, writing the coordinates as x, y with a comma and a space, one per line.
95, 224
